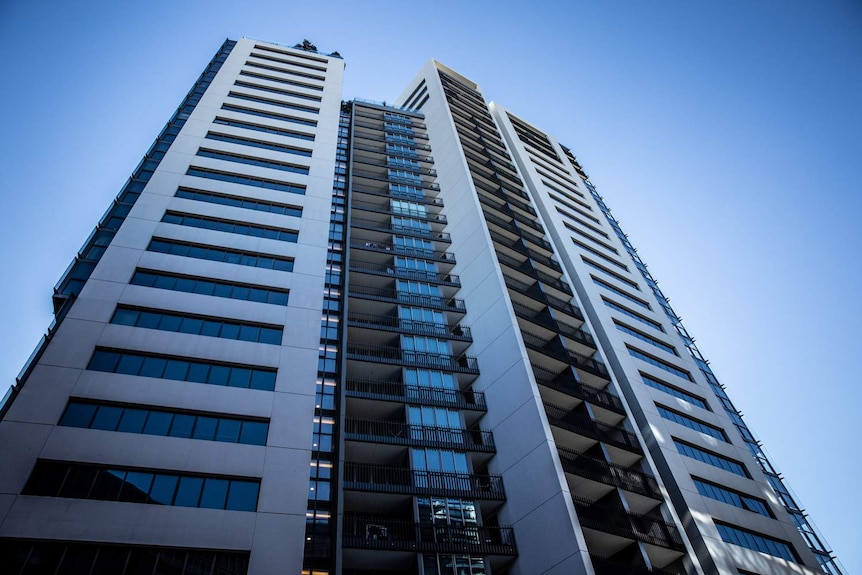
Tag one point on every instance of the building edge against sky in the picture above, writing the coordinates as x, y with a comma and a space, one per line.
212, 267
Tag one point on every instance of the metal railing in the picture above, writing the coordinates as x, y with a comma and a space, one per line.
583, 425
400, 480
384, 533
609, 473
400, 433
389, 269
386, 248
630, 525
544, 319
399, 297
434, 396
396, 355
400, 325
568, 382
386, 227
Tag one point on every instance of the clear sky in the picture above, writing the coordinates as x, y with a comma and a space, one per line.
725, 135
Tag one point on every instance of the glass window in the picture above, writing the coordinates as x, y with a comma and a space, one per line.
242, 496
133, 420
158, 423
189, 492
205, 428
163, 488
107, 418
78, 415
182, 425
254, 433
214, 493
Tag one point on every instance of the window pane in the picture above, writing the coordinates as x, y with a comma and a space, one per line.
239, 377
132, 420
78, 415
148, 320
219, 375
249, 333
136, 487
189, 492
198, 372
253, 433
153, 367
205, 428
182, 425
270, 335
125, 317
242, 496
214, 494
163, 489
228, 430
210, 328
229, 331
108, 484
263, 380
157, 423
130, 364
107, 418
78, 482
176, 370
191, 325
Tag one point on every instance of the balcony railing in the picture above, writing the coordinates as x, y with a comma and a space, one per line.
404, 273
546, 320
406, 357
568, 382
629, 525
519, 246
387, 248
383, 533
400, 433
384, 176
609, 473
385, 192
433, 396
409, 326
399, 297
556, 349
400, 480
583, 425
386, 227
385, 208
526, 267
535, 291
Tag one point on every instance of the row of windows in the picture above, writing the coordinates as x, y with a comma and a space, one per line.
290, 93
252, 161
291, 62
611, 273
210, 253
195, 371
572, 206
76, 481
580, 222
281, 80
215, 288
635, 316
755, 541
598, 254
197, 325
645, 338
149, 421
229, 226
239, 140
670, 390
304, 55
281, 70
598, 242
57, 558
246, 180
271, 102
659, 363
731, 497
619, 292
239, 202
711, 458
692, 423
272, 116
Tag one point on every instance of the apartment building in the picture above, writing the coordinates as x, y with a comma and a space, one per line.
313, 336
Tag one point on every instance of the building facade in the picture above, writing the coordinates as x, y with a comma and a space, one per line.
313, 336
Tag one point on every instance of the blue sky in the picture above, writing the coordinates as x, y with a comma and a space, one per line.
725, 136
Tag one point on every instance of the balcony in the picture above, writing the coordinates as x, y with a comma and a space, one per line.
390, 295
386, 534
401, 393
529, 269
534, 291
409, 326
404, 481
616, 521
410, 358
521, 247
516, 228
556, 348
609, 473
386, 192
385, 208
383, 175
388, 228
583, 425
409, 435
567, 382
545, 318
390, 270
387, 248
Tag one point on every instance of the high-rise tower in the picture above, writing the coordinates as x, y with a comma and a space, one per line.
314, 336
